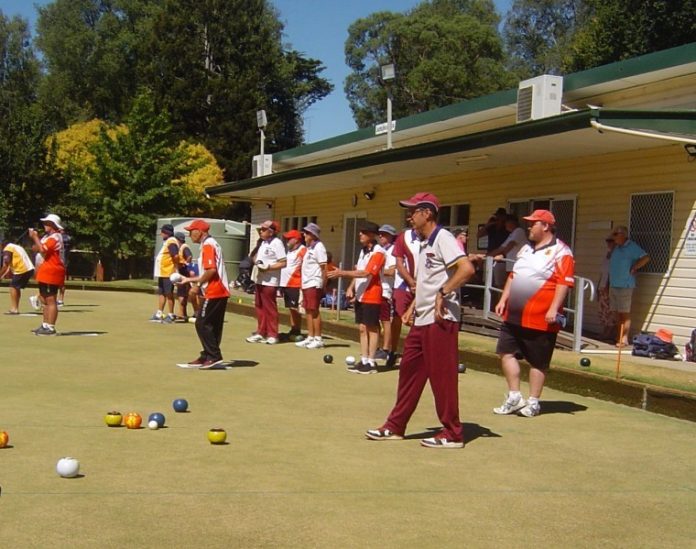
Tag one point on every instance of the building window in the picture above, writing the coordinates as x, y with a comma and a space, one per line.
563, 208
650, 227
298, 222
454, 215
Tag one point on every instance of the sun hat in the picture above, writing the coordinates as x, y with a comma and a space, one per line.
54, 220
198, 224
313, 229
388, 229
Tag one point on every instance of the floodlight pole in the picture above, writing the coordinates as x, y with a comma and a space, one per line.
388, 74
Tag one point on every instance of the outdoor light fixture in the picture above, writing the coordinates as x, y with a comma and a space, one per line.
388, 74
369, 195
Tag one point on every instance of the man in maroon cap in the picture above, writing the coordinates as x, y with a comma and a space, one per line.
270, 258
430, 350
532, 309
211, 284
291, 278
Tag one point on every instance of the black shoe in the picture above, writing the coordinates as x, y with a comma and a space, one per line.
381, 354
391, 361
363, 368
43, 331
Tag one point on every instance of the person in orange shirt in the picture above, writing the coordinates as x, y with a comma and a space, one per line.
50, 274
366, 289
214, 289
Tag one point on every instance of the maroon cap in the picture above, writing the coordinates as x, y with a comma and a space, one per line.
294, 233
421, 200
198, 224
541, 215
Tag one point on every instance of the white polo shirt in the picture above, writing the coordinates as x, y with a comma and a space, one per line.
410, 248
388, 281
437, 256
271, 251
311, 266
290, 275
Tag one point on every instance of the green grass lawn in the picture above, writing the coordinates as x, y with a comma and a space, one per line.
297, 471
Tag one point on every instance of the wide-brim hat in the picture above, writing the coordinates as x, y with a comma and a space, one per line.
313, 229
54, 220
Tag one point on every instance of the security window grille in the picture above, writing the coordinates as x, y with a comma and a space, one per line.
651, 228
297, 222
563, 209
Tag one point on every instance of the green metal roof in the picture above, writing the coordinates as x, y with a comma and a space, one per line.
643, 64
681, 122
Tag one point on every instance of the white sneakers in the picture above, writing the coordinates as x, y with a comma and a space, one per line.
256, 338
35, 304
512, 404
271, 340
310, 343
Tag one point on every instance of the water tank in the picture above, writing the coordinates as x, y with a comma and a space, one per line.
233, 237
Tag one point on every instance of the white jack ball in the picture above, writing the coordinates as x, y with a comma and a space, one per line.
68, 467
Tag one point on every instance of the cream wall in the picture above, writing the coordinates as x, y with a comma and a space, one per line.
603, 186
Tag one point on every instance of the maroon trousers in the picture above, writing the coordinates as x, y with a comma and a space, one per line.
430, 354
266, 311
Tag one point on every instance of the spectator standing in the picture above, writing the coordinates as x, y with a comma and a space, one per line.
291, 278
214, 290
386, 237
65, 255
509, 249
366, 288
430, 350
166, 264
15, 260
531, 306
270, 258
626, 260
496, 232
50, 273
313, 283
607, 318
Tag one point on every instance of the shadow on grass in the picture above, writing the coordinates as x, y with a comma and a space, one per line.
471, 432
560, 407
230, 364
84, 334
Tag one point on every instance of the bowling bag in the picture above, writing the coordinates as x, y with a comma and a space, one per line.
651, 346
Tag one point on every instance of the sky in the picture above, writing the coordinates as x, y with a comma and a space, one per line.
317, 28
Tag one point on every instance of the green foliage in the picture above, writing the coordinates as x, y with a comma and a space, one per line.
621, 29
538, 33
136, 176
27, 190
211, 64
444, 51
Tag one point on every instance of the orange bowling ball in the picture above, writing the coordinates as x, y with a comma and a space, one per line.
133, 420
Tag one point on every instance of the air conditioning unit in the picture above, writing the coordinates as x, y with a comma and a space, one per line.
261, 166
539, 97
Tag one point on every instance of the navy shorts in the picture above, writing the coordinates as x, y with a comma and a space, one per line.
536, 346
367, 314
20, 281
165, 286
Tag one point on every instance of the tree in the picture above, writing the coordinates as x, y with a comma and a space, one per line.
211, 64
26, 190
538, 33
136, 176
621, 29
444, 51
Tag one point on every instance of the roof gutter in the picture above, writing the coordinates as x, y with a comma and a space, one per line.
640, 133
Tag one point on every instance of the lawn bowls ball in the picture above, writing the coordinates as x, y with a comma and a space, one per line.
585, 362
350, 360
68, 467
133, 420
158, 417
461, 368
4, 439
328, 359
217, 436
176, 278
152, 424
180, 405
113, 419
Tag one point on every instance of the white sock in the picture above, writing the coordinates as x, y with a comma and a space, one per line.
371, 362
514, 395
533, 400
